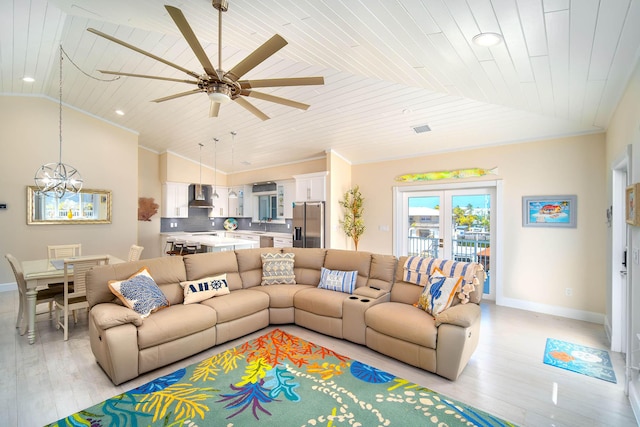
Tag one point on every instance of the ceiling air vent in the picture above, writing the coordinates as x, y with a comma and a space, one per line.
421, 129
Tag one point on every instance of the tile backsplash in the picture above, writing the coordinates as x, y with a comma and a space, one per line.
199, 221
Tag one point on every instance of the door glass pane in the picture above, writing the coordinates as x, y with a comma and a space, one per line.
424, 226
471, 220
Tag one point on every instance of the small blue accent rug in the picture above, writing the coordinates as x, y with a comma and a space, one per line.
584, 360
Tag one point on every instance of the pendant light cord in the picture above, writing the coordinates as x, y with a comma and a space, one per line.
62, 51
60, 110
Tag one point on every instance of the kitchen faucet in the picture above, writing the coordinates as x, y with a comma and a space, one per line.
263, 220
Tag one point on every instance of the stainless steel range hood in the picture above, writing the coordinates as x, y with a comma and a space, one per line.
200, 199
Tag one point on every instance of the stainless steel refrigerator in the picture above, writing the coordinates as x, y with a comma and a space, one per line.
308, 225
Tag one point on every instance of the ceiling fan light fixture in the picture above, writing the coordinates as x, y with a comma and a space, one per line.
219, 93
487, 39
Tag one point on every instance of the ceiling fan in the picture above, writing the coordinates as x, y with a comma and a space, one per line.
222, 86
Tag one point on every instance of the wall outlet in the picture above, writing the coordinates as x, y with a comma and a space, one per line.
213, 223
288, 226
249, 224
568, 292
383, 228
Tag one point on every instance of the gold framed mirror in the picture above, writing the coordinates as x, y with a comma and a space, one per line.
86, 207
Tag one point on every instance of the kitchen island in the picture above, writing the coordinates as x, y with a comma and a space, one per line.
210, 242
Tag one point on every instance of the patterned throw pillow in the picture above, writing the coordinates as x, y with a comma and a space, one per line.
336, 280
277, 269
140, 293
438, 294
205, 288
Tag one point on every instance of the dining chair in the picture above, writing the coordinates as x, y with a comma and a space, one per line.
64, 251
134, 252
44, 295
78, 298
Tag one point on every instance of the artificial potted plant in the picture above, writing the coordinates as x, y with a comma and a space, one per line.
353, 223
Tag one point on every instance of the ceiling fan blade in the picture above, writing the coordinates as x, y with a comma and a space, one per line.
293, 81
144, 52
269, 47
273, 98
177, 95
251, 108
144, 76
214, 109
184, 27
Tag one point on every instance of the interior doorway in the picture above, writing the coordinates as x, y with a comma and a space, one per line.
618, 321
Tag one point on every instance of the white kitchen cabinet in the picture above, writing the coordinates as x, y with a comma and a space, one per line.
236, 205
221, 204
311, 187
286, 194
175, 200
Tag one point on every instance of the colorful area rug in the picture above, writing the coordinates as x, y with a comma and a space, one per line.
279, 379
579, 358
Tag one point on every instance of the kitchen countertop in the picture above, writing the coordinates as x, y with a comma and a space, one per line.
201, 233
210, 240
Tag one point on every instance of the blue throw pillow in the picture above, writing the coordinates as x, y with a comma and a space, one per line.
140, 293
336, 280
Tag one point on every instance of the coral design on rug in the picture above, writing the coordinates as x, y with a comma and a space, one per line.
280, 379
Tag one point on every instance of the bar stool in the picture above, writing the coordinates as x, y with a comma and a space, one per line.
191, 248
173, 246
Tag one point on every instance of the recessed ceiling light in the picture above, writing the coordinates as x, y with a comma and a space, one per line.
487, 39
28, 79
120, 112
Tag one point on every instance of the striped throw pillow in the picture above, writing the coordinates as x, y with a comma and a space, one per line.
336, 280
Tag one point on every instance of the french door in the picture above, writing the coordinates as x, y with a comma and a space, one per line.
454, 223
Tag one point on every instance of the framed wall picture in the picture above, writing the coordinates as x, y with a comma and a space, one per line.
549, 211
632, 213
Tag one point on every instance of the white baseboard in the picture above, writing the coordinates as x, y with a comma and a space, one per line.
571, 313
6, 287
634, 398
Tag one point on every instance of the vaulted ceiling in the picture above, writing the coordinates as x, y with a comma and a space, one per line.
388, 65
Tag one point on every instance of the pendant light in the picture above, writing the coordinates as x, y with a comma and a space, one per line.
199, 199
58, 178
232, 194
215, 195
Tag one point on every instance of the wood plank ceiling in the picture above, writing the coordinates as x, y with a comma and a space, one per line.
389, 65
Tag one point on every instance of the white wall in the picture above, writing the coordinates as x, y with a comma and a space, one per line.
149, 186
105, 155
624, 129
539, 263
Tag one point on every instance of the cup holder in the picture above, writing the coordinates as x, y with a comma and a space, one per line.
365, 300
353, 298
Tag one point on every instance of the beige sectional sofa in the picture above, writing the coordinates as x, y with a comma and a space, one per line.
380, 313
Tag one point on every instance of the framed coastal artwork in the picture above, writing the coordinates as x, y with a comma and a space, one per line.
549, 211
632, 213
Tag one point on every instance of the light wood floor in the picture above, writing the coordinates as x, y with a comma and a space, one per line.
51, 379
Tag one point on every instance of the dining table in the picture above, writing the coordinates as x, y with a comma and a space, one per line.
39, 274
